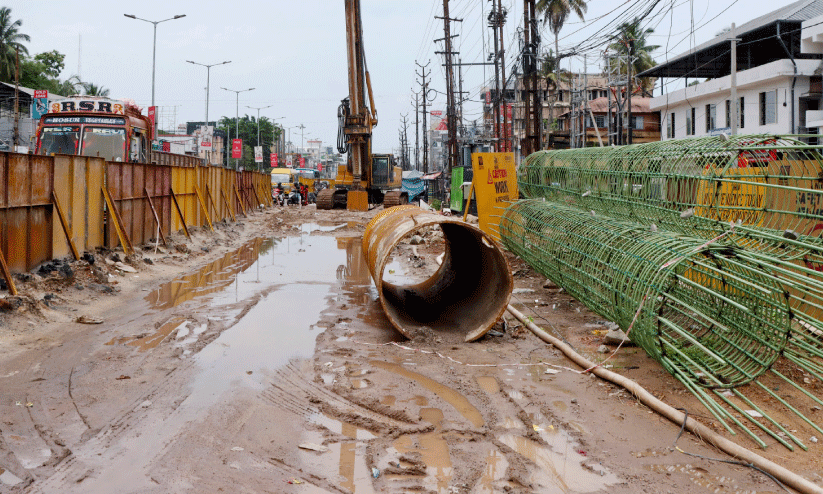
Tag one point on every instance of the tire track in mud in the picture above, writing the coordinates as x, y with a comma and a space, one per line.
85, 459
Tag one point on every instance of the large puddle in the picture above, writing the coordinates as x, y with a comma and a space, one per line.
291, 280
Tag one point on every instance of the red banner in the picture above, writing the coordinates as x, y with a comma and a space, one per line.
152, 119
320, 167
237, 148
41, 93
274, 160
302, 162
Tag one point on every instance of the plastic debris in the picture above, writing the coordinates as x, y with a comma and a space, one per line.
375, 472
294, 481
754, 414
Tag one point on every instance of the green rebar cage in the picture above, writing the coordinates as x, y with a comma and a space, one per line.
702, 311
771, 187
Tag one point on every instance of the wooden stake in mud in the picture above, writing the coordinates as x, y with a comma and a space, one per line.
7, 274
254, 189
65, 224
203, 205
228, 206
125, 241
156, 218
180, 212
240, 200
213, 205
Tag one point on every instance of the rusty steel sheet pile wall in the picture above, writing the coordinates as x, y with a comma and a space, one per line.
77, 184
31, 231
468, 293
127, 183
715, 318
25, 209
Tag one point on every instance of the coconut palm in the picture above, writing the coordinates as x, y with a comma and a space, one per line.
92, 89
555, 13
11, 40
633, 32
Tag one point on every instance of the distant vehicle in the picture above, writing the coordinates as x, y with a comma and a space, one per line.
93, 126
285, 176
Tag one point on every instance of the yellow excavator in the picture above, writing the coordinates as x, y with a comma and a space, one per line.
366, 178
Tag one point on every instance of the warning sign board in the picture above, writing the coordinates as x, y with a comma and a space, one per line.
495, 187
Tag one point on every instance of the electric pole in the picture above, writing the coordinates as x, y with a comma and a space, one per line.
425, 92
451, 110
497, 17
416, 131
533, 107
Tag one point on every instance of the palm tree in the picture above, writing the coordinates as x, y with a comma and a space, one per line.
556, 12
633, 32
92, 89
10, 41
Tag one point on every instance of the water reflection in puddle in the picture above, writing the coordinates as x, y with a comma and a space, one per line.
455, 399
346, 458
559, 465
275, 328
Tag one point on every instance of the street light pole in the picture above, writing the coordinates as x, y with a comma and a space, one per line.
237, 113
208, 70
154, 45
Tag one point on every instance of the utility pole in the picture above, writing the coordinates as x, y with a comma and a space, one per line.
451, 119
629, 93
502, 20
404, 143
496, 100
16, 135
425, 91
533, 107
733, 103
416, 131
301, 127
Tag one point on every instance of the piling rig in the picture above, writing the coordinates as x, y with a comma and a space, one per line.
366, 178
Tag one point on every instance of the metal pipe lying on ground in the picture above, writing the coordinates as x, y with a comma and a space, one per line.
466, 295
736, 451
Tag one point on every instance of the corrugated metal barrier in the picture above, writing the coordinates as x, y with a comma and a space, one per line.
47, 200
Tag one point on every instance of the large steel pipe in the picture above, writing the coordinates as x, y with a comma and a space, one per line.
465, 296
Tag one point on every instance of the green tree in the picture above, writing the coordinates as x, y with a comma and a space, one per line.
632, 36
248, 132
42, 71
53, 62
11, 40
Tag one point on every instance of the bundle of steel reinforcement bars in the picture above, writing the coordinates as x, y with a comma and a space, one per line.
708, 250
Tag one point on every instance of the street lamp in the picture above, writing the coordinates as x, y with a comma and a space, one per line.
208, 70
237, 113
154, 45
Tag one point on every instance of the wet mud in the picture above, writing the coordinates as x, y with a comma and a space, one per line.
272, 368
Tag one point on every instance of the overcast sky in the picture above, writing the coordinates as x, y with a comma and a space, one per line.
293, 52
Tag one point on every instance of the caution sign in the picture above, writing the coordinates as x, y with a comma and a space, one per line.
495, 187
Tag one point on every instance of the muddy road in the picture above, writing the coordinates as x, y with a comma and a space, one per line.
258, 359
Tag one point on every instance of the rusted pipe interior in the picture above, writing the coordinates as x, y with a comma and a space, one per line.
465, 296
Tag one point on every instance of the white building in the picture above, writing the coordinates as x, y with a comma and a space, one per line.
778, 81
